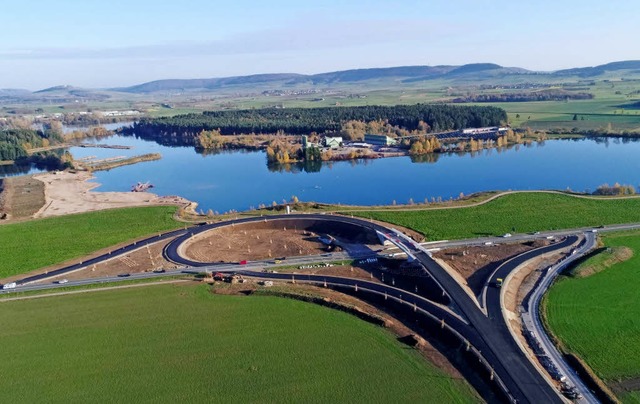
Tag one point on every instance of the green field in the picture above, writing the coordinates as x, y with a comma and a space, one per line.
176, 343
598, 317
611, 104
38, 243
518, 212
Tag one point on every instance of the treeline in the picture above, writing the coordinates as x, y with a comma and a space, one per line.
430, 144
616, 189
14, 143
52, 160
184, 129
547, 95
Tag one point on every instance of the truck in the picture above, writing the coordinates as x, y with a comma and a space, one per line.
11, 285
499, 282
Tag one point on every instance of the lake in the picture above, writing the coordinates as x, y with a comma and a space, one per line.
240, 180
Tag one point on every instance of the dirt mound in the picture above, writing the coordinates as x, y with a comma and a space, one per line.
232, 244
611, 256
475, 264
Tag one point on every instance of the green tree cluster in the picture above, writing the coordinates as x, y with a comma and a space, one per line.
210, 140
14, 143
281, 151
425, 145
185, 129
616, 189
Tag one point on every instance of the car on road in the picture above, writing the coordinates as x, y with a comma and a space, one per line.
499, 282
506, 235
159, 271
62, 281
123, 275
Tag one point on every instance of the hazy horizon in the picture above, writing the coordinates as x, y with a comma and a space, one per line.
118, 43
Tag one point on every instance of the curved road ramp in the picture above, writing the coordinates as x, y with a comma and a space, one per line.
481, 331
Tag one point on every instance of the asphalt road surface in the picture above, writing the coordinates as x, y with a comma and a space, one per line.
488, 334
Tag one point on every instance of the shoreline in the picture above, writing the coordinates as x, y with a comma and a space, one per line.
68, 193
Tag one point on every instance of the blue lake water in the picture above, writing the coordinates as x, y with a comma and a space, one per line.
239, 180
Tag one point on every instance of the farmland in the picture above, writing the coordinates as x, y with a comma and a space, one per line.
39, 243
518, 212
596, 317
181, 343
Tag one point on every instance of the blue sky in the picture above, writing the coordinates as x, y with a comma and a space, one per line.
94, 43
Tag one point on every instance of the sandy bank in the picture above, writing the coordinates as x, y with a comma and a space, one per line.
67, 193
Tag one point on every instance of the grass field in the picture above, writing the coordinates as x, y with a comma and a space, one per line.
38, 243
518, 212
597, 317
173, 343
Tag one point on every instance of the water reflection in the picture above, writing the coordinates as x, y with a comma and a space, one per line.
232, 179
16, 169
303, 166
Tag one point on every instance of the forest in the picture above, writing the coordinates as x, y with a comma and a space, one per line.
184, 129
14, 143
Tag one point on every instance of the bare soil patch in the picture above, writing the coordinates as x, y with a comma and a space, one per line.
145, 259
134, 262
67, 193
614, 255
21, 197
236, 243
625, 386
475, 264
349, 271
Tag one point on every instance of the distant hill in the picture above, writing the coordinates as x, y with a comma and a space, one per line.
601, 69
402, 74
489, 73
208, 84
64, 88
13, 92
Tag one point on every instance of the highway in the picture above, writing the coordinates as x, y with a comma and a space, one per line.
104, 257
522, 380
488, 333
533, 323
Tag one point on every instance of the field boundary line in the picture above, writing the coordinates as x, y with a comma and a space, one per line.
106, 288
